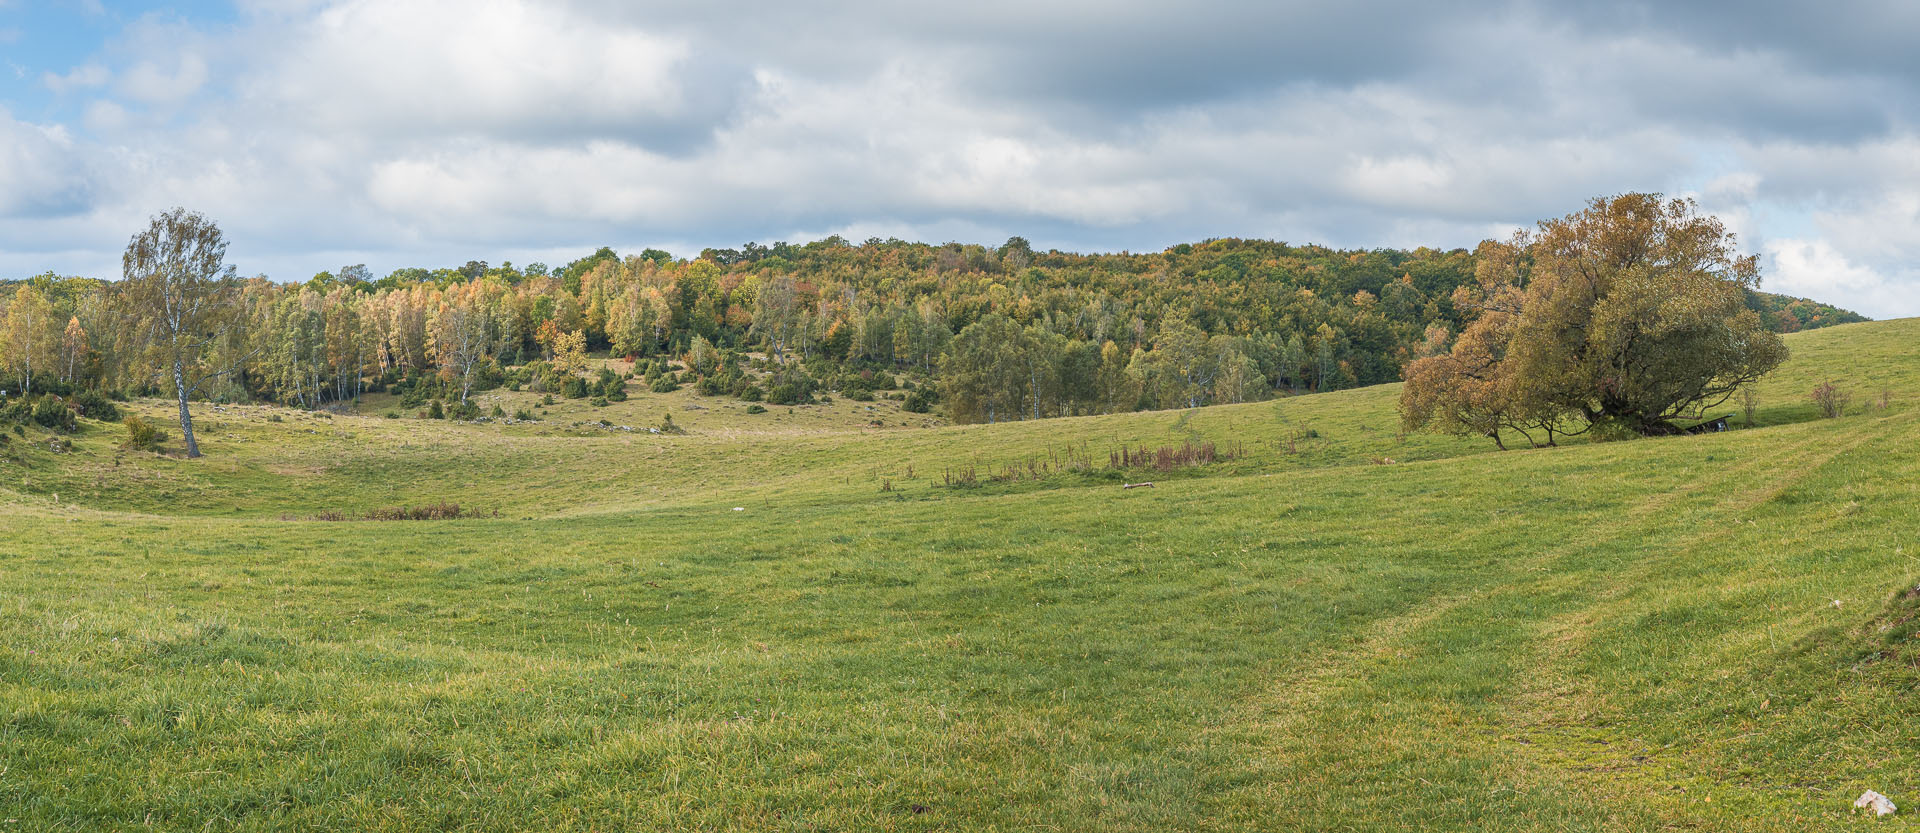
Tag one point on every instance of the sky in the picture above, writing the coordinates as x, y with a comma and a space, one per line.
320, 133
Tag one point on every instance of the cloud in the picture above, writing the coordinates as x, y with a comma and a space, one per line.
424, 131
41, 172
85, 76
1816, 269
493, 68
169, 83
104, 116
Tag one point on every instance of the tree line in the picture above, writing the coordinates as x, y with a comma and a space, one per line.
996, 333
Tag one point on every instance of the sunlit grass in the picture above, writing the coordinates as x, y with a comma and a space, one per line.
1633, 635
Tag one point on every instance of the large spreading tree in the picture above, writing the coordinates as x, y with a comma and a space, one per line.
1629, 315
187, 302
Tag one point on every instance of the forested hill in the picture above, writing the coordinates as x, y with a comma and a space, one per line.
1788, 314
996, 332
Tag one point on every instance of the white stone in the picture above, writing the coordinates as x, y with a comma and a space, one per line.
1879, 804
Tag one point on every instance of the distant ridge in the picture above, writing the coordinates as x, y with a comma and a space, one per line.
1788, 314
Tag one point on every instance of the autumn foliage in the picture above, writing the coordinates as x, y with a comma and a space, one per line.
1628, 315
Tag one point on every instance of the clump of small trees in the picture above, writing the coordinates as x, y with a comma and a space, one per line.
1625, 317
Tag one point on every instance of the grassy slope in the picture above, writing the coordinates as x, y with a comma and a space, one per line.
1618, 636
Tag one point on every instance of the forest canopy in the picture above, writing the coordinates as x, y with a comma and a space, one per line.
996, 333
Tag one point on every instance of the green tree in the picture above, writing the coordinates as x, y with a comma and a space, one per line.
462, 330
983, 375
28, 334
177, 285
1629, 314
1179, 371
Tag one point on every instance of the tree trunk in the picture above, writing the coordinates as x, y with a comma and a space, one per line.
186, 419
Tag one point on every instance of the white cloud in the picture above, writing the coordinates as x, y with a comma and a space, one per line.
85, 76
170, 82
1815, 269
41, 171
468, 67
436, 131
103, 116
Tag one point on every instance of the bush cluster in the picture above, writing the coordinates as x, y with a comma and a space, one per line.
52, 413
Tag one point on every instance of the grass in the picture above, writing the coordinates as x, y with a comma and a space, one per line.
1613, 636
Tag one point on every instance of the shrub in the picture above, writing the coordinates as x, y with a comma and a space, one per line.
756, 409
393, 415
92, 405
1831, 400
142, 436
919, 402
523, 415
50, 412
598, 402
574, 388
436, 411
19, 411
499, 412
859, 394
546, 400
751, 393
487, 375
664, 384
464, 410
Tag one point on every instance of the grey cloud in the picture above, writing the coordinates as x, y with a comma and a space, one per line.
1848, 37
42, 174
451, 129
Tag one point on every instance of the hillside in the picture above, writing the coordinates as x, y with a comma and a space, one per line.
1787, 314
794, 620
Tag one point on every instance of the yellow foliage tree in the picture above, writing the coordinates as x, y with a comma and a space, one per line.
1630, 314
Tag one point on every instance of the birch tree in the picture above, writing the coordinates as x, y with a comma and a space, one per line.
28, 335
179, 288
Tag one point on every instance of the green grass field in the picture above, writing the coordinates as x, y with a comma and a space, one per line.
1344, 628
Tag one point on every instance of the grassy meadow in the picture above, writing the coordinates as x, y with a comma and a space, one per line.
794, 621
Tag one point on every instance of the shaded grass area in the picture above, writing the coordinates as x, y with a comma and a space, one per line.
265, 461
272, 461
1636, 635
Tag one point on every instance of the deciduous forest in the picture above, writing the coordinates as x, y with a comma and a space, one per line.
992, 333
